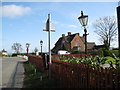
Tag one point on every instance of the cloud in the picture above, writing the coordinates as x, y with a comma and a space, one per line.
72, 26
12, 11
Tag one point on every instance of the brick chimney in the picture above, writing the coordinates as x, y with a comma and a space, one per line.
63, 35
69, 33
78, 34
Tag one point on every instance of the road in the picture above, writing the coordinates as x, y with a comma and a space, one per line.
9, 71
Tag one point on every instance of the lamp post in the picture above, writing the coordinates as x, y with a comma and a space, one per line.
27, 46
41, 43
83, 19
118, 19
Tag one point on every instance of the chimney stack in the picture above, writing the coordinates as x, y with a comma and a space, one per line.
78, 34
63, 35
69, 33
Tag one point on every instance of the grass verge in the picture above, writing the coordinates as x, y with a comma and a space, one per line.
35, 79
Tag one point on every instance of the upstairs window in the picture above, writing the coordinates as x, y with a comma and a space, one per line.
77, 44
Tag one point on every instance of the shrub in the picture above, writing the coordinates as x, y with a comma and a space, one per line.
14, 55
115, 52
106, 52
98, 52
110, 60
77, 52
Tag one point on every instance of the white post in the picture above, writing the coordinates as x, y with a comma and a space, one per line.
49, 35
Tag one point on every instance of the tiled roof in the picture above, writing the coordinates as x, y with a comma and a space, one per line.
99, 46
60, 45
4, 50
90, 45
69, 38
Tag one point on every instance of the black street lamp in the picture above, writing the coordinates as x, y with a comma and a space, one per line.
41, 43
83, 19
118, 19
27, 46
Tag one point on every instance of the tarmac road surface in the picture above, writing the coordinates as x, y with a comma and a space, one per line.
12, 70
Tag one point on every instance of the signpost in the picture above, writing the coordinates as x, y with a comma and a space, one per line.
48, 27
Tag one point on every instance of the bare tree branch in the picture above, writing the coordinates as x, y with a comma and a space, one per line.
17, 47
106, 29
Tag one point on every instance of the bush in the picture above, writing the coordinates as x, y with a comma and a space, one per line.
110, 59
98, 52
106, 52
115, 52
14, 55
77, 52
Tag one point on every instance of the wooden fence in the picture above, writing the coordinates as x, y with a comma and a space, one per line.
71, 75
37, 61
84, 76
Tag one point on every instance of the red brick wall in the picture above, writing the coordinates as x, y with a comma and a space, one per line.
77, 39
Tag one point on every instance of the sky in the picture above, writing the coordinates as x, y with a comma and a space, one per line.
23, 22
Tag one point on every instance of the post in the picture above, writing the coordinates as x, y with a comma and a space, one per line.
48, 27
41, 49
118, 19
85, 40
49, 35
27, 51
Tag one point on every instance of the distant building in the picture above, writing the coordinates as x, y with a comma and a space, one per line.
4, 52
72, 42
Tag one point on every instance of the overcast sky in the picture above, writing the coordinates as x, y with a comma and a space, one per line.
23, 22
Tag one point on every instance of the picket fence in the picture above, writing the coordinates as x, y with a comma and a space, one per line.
37, 61
71, 75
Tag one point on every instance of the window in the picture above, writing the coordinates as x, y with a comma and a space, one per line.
77, 44
79, 49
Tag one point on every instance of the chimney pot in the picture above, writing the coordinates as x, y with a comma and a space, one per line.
63, 35
78, 34
69, 33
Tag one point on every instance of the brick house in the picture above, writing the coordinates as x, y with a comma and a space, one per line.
72, 42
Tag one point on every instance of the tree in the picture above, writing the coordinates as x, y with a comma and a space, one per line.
106, 29
17, 47
36, 50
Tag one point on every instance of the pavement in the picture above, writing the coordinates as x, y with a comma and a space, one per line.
19, 76
12, 72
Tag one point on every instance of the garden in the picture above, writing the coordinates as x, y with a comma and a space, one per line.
82, 71
98, 58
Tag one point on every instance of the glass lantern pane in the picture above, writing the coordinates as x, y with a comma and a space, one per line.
83, 20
